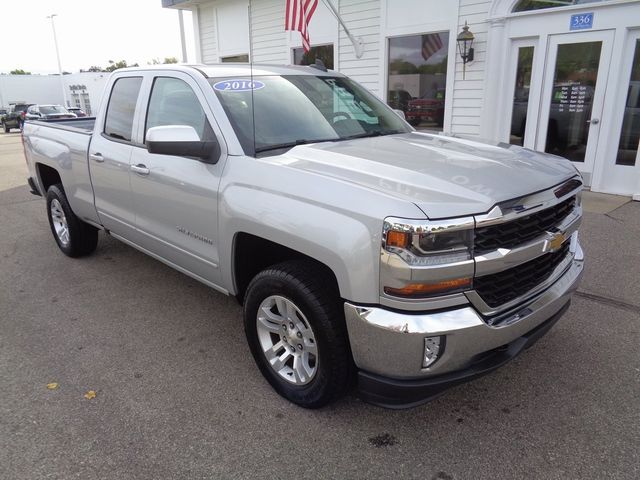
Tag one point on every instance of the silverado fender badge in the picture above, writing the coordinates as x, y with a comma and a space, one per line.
191, 234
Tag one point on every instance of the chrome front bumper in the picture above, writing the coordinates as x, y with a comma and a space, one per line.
391, 343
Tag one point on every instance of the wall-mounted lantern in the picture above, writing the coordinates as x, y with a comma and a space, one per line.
465, 46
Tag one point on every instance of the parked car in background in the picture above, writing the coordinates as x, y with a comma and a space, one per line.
428, 108
48, 112
3, 112
15, 116
78, 111
399, 100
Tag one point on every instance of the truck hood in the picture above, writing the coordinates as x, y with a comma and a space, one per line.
443, 176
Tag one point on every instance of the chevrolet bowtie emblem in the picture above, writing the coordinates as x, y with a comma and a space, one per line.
555, 242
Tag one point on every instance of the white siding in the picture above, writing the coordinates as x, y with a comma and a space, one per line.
468, 93
363, 20
208, 35
269, 37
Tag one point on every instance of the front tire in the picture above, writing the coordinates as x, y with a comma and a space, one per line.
74, 237
295, 328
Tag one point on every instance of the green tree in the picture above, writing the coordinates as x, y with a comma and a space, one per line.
120, 64
156, 61
19, 71
402, 67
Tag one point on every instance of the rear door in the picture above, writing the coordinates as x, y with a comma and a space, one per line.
176, 198
110, 154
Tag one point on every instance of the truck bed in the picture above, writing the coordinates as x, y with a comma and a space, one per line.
80, 125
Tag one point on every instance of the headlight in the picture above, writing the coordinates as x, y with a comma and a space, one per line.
427, 258
430, 243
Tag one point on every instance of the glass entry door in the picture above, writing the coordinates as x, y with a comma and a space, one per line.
573, 96
621, 158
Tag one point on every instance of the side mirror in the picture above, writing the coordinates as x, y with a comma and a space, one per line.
182, 141
400, 113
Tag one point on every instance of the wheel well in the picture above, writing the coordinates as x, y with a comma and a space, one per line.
48, 176
253, 254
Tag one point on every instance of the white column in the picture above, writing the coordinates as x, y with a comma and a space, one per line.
196, 33
495, 80
183, 42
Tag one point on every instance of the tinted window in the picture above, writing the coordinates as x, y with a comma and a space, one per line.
322, 52
235, 59
418, 78
630, 133
122, 106
52, 109
174, 103
526, 5
521, 95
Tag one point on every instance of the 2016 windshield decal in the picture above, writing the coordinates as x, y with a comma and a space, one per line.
238, 85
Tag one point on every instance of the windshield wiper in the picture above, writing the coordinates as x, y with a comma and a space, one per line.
295, 143
377, 133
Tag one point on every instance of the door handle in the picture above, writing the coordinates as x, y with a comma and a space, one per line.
594, 121
140, 169
96, 157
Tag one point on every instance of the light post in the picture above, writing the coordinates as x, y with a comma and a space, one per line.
55, 41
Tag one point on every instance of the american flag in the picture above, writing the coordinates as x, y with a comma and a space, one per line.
431, 43
298, 16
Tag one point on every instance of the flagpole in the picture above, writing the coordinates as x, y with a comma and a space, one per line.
358, 43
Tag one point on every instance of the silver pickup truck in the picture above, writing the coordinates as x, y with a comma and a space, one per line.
365, 253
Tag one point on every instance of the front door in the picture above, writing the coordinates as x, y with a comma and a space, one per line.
573, 96
621, 165
176, 198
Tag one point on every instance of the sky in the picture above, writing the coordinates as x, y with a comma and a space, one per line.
90, 32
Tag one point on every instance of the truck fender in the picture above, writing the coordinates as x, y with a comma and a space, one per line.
340, 241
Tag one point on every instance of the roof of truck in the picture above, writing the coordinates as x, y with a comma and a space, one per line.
233, 69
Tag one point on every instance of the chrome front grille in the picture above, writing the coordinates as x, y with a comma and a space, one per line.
517, 232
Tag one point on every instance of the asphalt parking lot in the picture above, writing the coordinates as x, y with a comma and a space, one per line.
178, 395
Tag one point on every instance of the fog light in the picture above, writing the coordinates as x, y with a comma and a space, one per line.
431, 350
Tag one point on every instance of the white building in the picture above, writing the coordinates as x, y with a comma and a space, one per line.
561, 76
82, 90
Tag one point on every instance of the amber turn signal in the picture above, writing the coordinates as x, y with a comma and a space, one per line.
420, 290
397, 239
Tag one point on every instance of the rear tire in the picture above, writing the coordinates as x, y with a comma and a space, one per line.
295, 328
74, 237
6, 128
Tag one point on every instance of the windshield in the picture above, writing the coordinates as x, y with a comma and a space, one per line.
52, 109
297, 109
